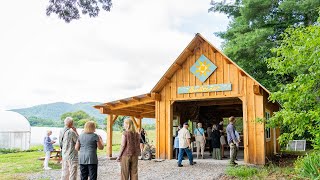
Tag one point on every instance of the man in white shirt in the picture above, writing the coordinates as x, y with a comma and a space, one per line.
184, 145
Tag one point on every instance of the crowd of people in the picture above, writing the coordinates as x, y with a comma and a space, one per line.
87, 143
215, 135
132, 145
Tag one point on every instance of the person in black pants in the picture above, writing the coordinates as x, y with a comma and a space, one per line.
176, 143
88, 143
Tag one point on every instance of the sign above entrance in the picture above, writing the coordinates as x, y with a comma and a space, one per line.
204, 88
203, 68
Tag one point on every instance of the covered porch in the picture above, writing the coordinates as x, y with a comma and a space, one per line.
137, 107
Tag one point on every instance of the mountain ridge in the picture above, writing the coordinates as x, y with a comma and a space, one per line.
53, 111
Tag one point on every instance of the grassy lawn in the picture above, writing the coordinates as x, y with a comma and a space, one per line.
18, 165
266, 172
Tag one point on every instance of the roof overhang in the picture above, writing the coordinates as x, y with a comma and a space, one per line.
142, 106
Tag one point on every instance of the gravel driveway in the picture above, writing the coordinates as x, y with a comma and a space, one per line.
153, 170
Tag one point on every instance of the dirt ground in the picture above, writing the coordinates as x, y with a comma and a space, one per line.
166, 169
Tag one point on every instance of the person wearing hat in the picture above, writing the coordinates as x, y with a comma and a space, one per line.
184, 144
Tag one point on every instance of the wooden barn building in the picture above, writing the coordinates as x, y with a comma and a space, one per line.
202, 85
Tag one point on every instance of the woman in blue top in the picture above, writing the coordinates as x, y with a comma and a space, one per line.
88, 143
47, 148
200, 139
176, 143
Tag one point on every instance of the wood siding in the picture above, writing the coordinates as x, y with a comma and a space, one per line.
242, 87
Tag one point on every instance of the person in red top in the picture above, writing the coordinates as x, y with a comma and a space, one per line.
130, 150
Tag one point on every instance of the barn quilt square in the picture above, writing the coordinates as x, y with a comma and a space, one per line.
203, 68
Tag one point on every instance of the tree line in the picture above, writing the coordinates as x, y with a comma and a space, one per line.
278, 43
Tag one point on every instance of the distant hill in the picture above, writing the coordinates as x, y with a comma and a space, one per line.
53, 111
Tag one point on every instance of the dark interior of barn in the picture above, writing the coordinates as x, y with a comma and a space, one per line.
209, 112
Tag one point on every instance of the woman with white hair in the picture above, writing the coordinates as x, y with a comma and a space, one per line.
47, 148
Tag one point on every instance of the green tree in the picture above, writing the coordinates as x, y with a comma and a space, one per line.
69, 10
256, 26
79, 118
298, 55
118, 124
40, 122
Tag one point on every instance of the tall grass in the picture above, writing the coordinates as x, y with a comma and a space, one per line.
309, 166
241, 171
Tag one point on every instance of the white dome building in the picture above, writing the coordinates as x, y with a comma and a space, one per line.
14, 131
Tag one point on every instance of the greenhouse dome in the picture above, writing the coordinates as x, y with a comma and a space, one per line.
14, 131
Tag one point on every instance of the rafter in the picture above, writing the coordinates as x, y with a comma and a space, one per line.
146, 107
135, 99
122, 102
177, 65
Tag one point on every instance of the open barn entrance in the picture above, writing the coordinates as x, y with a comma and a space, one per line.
209, 112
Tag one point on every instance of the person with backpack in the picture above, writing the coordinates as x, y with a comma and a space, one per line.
200, 139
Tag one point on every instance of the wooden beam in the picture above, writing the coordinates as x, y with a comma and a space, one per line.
228, 61
146, 100
149, 116
243, 73
122, 102
167, 80
156, 96
139, 122
146, 107
135, 99
152, 104
177, 65
135, 122
213, 49
147, 112
257, 90
109, 135
188, 52
109, 104
120, 112
208, 98
114, 118
101, 110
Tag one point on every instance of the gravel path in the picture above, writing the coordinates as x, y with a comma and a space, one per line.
166, 169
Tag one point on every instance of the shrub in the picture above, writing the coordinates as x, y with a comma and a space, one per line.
241, 171
6, 151
309, 166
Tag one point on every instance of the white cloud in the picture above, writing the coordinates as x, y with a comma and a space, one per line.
119, 54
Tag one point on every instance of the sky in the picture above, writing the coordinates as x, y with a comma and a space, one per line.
119, 54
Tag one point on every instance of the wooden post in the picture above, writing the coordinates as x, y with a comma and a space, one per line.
135, 122
140, 122
109, 135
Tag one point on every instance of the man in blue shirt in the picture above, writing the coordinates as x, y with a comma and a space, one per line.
232, 140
